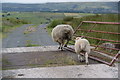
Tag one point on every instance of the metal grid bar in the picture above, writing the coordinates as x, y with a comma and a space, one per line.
78, 27
97, 38
91, 57
90, 30
104, 52
115, 58
105, 47
101, 22
98, 31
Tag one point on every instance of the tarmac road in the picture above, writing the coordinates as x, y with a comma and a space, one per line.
17, 38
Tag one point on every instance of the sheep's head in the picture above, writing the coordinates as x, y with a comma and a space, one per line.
77, 38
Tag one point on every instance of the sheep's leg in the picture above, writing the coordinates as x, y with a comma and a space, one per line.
66, 43
86, 58
59, 46
80, 58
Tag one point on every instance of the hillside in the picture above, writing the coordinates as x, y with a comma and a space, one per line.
83, 7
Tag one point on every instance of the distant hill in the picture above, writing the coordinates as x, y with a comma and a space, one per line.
83, 7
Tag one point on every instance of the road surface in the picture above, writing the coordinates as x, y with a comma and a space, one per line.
17, 38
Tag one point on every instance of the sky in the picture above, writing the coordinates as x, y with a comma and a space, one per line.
45, 1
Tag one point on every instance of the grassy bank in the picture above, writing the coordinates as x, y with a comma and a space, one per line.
9, 24
42, 17
98, 17
36, 17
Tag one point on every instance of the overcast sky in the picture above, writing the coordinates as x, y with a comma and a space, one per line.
44, 1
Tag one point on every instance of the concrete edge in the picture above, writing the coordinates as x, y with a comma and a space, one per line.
38, 49
90, 71
29, 49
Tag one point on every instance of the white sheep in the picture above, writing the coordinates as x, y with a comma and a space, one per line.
62, 33
82, 45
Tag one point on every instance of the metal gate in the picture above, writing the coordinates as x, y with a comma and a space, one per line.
92, 26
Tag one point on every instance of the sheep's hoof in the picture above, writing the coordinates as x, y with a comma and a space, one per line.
82, 60
65, 46
61, 49
58, 47
87, 63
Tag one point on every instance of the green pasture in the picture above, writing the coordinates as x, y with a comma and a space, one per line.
36, 17
74, 22
11, 20
43, 17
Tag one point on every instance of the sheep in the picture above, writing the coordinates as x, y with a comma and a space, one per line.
82, 45
62, 33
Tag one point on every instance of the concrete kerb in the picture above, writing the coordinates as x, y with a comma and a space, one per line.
29, 49
76, 71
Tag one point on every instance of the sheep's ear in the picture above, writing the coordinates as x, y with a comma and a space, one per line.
81, 37
77, 38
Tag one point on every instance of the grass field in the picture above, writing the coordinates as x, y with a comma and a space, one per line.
42, 17
12, 20
74, 22
36, 17
78, 15
100, 27
73, 19
9, 24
